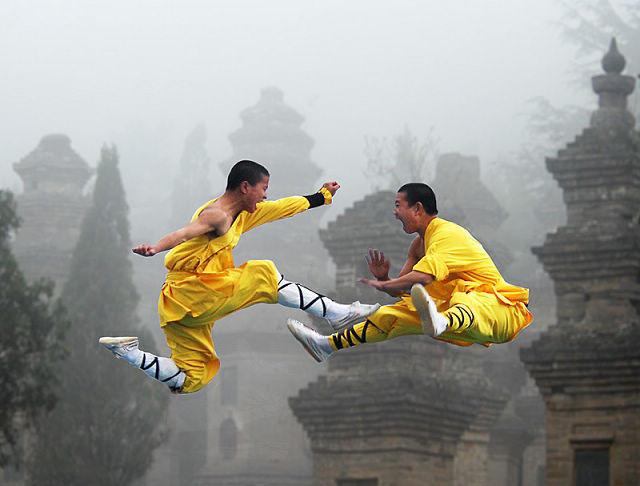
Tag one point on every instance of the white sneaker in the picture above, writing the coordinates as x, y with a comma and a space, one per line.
357, 313
315, 343
120, 346
433, 323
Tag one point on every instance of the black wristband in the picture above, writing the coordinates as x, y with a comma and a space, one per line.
315, 200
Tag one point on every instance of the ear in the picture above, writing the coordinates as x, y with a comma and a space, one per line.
244, 187
420, 207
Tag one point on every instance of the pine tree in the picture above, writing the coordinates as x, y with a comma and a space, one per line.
109, 418
31, 331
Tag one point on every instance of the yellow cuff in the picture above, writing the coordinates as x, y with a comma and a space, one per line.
327, 195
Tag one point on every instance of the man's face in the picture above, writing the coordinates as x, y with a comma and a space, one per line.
256, 193
408, 215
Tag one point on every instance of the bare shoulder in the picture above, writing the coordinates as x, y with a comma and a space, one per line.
213, 216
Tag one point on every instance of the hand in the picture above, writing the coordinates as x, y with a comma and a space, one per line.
145, 250
378, 264
332, 187
376, 284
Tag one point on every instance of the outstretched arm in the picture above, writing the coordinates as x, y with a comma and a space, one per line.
286, 207
208, 221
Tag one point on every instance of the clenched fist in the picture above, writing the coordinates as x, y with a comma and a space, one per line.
332, 187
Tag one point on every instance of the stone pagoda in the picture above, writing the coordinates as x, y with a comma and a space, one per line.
271, 134
587, 367
252, 436
51, 207
410, 411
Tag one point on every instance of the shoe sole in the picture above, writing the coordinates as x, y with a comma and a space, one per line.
420, 299
106, 340
291, 326
339, 326
113, 342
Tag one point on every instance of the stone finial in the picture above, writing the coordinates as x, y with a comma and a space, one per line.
613, 61
272, 93
612, 89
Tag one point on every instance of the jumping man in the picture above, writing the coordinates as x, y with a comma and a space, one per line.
456, 295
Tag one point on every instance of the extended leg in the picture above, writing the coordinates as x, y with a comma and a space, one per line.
258, 281
322, 347
162, 369
295, 295
389, 322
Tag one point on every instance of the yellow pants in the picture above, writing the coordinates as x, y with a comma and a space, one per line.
190, 339
474, 317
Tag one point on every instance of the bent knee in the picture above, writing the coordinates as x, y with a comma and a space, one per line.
198, 374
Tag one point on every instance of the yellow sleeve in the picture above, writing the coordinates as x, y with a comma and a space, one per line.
268, 211
432, 264
286, 207
451, 249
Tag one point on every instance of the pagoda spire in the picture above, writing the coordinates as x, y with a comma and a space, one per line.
612, 89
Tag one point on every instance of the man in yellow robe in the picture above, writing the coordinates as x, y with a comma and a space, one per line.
203, 284
456, 295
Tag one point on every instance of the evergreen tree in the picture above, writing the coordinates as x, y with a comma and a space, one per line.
109, 418
191, 187
31, 331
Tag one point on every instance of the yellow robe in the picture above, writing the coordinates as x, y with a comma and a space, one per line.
464, 273
203, 285
468, 289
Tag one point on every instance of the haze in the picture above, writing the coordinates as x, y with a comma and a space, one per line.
143, 74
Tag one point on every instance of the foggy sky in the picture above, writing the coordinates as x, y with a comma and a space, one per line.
143, 73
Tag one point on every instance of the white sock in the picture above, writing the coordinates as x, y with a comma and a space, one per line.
157, 367
297, 296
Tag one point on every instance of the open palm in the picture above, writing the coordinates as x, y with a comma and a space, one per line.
378, 264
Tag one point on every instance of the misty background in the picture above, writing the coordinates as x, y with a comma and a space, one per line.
143, 74
503, 81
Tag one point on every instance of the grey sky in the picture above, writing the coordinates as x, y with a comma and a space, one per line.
109, 70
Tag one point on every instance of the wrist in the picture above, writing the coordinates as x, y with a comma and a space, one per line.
328, 197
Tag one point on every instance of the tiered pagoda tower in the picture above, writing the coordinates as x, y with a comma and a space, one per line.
51, 207
389, 414
587, 367
272, 134
253, 438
